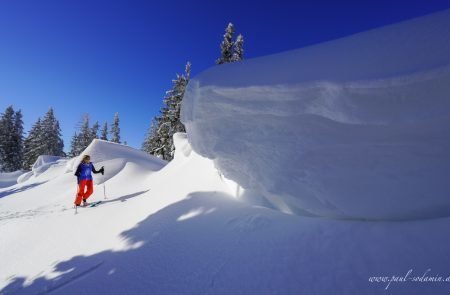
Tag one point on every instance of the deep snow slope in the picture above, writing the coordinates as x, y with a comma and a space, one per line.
179, 230
39, 228
354, 128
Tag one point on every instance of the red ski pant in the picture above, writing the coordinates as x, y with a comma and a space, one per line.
85, 189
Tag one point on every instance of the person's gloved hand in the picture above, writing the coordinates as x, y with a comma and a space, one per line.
102, 170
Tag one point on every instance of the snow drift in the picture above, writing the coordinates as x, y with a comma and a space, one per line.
178, 230
111, 155
39, 225
42, 164
354, 128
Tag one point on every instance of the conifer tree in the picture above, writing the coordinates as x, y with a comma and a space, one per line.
159, 140
52, 141
33, 145
85, 135
94, 130
18, 140
231, 50
75, 145
82, 139
11, 140
104, 133
150, 143
44, 138
227, 45
238, 49
115, 129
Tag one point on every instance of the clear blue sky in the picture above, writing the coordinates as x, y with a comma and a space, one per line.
102, 57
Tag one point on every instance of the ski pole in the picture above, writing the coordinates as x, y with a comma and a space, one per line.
104, 186
76, 196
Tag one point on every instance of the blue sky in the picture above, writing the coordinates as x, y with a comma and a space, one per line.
102, 57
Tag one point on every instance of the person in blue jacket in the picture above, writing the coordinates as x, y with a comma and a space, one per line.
85, 183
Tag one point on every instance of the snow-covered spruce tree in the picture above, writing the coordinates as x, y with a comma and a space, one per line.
94, 130
75, 145
159, 141
162, 143
81, 140
115, 129
238, 49
33, 145
6, 141
227, 45
52, 143
11, 140
104, 132
85, 135
150, 143
44, 138
231, 51
18, 139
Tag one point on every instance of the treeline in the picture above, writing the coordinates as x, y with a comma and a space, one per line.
18, 151
87, 133
159, 138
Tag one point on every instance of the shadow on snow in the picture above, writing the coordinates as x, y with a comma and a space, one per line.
19, 189
181, 246
210, 243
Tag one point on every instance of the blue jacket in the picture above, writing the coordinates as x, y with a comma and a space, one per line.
84, 171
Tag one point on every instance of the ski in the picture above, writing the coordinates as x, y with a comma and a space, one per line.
94, 204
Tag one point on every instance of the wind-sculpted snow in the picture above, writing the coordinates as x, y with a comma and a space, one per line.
178, 230
39, 212
354, 128
43, 164
114, 157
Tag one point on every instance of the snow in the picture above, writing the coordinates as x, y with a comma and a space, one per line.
192, 236
9, 178
45, 162
42, 207
42, 162
204, 223
354, 128
111, 155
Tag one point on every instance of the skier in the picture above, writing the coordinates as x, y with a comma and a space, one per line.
85, 184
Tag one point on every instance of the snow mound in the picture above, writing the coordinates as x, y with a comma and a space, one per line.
24, 177
182, 147
134, 194
44, 162
114, 157
179, 231
354, 128
44, 165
